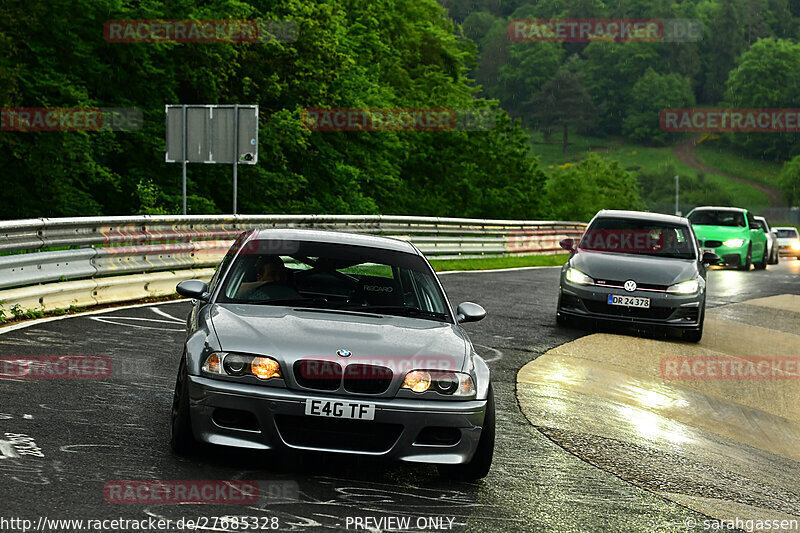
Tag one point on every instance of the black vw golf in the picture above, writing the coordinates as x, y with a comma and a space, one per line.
636, 268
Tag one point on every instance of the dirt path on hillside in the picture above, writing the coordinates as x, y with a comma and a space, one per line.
685, 152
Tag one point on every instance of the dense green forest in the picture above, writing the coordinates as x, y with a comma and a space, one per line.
355, 53
747, 57
376, 53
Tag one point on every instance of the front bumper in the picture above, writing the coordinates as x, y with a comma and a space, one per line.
278, 421
673, 310
731, 256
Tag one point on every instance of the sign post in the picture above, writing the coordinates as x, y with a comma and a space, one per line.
212, 134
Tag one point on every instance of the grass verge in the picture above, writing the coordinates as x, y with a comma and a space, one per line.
491, 263
728, 161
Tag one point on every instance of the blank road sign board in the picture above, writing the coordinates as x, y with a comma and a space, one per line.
213, 134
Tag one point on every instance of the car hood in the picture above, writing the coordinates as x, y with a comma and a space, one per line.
290, 334
720, 233
642, 269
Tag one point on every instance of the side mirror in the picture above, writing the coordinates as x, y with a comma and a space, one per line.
710, 258
469, 312
193, 288
756, 226
567, 244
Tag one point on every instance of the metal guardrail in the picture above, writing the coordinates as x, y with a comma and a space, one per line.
116, 259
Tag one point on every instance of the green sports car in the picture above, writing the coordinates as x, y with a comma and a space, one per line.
731, 233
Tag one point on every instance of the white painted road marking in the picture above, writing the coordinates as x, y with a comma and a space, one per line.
497, 357
108, 321
160, 312
7, 450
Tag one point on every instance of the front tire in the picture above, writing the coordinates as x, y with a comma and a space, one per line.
481, 462
695, 334
748, 262
181, 438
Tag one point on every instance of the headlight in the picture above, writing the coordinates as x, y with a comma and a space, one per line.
417, 380
576, 276
796, 245
685, 287
234, 364
447, 383
265, 368
733, 243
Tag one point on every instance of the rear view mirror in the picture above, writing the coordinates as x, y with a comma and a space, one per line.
756, 225
193, 288
710, 258
567, 244
469, 312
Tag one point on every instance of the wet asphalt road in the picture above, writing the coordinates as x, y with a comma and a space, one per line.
95, 431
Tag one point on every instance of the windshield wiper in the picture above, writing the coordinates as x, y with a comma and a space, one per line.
397, 310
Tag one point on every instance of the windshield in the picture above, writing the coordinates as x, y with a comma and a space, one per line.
718, 218
787, 233
614, 235
334, 276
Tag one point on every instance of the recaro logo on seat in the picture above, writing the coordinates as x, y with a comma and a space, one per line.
378, 288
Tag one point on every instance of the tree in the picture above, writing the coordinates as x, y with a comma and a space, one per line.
767, 76
610, 71
723, 40
478, 24
348, 53
578, 192
562, 103
510, 72
652, 93
789, 181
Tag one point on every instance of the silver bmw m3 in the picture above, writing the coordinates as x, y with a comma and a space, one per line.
333, 342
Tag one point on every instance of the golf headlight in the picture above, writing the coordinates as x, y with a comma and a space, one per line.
576, 276
447, 383
234, 364
796, 245
733, 243
685, 287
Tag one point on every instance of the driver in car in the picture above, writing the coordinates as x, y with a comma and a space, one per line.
670, 243
271, 281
